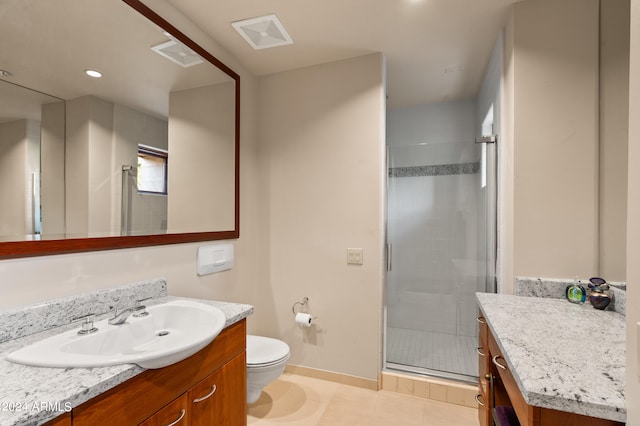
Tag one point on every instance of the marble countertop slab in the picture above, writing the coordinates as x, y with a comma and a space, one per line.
562, 355
34, 395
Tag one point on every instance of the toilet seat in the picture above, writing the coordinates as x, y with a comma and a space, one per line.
265, 351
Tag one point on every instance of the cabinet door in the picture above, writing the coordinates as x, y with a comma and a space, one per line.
174, 414
221, 398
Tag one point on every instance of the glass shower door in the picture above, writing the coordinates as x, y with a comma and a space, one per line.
441, 232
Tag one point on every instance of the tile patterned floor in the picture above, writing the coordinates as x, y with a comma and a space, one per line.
304, 401
434, 351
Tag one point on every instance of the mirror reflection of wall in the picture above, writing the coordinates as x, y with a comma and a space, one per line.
200, 126
31, 125
20, 169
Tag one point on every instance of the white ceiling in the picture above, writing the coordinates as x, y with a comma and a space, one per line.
420, 39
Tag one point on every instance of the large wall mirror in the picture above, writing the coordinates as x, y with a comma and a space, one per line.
146, 154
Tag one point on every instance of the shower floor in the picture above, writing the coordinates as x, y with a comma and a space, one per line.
440, 352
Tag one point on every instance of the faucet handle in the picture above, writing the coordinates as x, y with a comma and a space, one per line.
139, 309
87, 325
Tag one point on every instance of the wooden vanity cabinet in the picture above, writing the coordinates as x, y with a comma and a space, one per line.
208, 388
502, 390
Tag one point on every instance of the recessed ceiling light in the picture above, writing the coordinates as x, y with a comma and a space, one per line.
5, 73
263, 32
93, 73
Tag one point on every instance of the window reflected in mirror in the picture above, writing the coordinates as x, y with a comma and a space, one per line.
152, 170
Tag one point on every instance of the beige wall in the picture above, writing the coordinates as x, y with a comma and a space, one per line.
633, 225
614, 129
555, 138
321, 173
563, 191
505, 215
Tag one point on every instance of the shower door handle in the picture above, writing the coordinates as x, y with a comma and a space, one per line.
389, 257
487, 139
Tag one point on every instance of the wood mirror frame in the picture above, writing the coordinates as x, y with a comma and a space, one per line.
16, 249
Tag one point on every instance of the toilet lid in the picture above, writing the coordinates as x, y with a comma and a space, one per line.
265, 350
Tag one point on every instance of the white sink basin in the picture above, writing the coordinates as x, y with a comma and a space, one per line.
170, 333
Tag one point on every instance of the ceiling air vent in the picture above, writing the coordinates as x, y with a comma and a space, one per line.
177, 52
263, 32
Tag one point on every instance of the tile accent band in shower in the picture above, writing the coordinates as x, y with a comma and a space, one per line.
437, 170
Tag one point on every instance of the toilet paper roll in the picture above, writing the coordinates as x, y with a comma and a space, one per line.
303, 319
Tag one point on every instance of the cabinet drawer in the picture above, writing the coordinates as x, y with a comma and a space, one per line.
140, 397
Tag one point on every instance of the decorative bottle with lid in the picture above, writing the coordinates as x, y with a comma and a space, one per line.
598, 295
576, 293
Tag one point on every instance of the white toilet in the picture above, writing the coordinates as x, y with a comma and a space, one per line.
266, 359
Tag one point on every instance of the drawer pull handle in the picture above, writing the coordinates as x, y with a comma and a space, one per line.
481, 320
213, 390
179, 419
480, 351
479, 398
497, 364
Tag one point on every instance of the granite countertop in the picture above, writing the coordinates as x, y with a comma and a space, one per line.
34, 395
563, 356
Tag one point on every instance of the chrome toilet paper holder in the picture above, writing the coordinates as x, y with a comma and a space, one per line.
302, 304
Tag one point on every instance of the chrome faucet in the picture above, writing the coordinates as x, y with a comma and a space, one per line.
121, 317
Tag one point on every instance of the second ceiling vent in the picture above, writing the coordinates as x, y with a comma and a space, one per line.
263, 32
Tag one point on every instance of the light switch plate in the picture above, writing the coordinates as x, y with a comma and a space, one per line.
354, 256
214, 258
